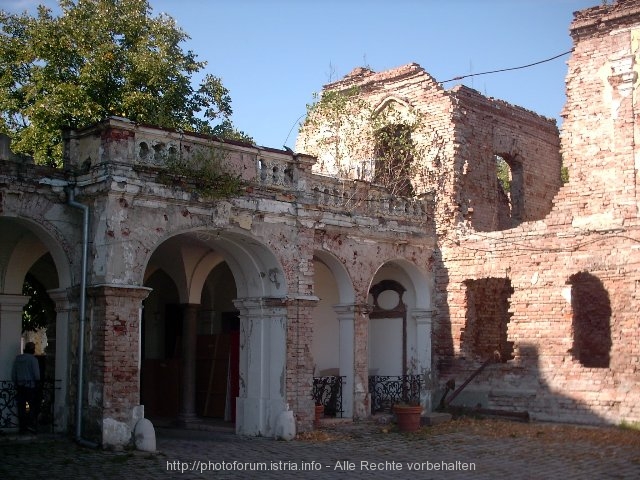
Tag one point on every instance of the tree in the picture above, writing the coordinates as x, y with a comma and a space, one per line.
101, 58
40, 310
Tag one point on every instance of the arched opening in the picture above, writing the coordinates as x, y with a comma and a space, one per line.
399, 337
591, 321
388, 329
510, 188
332, 345
34, 269
160, 349
394, 159
206, 323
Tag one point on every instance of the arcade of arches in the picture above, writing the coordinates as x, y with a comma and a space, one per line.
228, 308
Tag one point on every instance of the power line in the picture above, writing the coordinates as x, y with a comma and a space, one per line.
507, 69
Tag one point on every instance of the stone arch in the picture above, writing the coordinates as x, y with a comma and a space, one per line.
400, 342
261, 288
332, 347
24, 245
403, 106
256, 269
341, 275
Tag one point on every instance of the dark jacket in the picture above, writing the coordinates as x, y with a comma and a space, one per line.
25, 371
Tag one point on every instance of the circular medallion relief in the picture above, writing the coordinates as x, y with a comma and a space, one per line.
388, 299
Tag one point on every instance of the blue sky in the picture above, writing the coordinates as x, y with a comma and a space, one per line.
273, 54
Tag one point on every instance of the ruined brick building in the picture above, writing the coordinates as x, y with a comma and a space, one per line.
229, 307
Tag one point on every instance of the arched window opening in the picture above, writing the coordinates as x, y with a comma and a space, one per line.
510, 185
394, 159
591, 320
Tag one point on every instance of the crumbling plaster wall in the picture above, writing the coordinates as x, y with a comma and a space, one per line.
133, 213
463, 130
593, 228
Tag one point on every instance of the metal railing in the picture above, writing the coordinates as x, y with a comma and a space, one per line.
45, 393
387, 390
327, 391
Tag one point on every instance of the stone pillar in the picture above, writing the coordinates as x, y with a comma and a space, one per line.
10, 331
423, 319
361, 397
346, 314
263, 356
59, 344
189, 345
113, 363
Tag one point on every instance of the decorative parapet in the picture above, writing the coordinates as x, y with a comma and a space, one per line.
121, 141
362, 197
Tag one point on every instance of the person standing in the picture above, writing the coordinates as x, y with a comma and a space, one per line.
25, 375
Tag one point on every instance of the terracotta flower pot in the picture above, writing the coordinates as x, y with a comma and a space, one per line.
408, 417
319, 414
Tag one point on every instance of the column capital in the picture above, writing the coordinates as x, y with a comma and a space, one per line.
13, 303
111, 289
62, 297
422, 316
349, 310
303, 300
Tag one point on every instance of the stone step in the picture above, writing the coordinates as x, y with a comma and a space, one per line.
434, 418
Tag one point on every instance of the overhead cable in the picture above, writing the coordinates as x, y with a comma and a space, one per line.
507, 69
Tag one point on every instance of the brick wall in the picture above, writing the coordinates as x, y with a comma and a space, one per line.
574, 323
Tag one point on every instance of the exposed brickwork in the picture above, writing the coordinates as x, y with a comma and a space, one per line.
574, 274
558, 292
488, 316
112, 365
571, 258
300, 362
466, 130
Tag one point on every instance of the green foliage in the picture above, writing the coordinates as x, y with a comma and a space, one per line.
564, 175
40, 309
225, 130
203, 173
99, 58
625, 425
352, 140
504, 174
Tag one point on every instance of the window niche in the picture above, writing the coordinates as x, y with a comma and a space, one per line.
393, 152
488, 316
591, 320
510, 185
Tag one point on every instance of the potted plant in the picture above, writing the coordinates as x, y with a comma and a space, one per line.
319, 413
408, 412
408, 416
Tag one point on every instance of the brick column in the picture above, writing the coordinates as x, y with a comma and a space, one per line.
189, 345
58, 348
299, 360
423, 319
10, 331
361, 397
113, 363
346, 315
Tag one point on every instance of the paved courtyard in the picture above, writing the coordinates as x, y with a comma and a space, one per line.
478, 449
